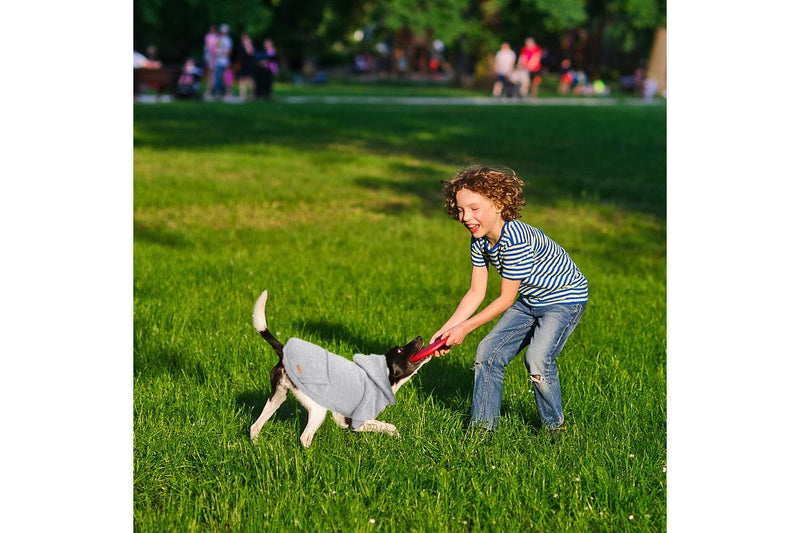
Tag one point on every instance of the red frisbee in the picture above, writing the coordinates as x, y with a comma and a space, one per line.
428, 350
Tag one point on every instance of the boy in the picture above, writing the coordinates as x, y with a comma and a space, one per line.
542, 296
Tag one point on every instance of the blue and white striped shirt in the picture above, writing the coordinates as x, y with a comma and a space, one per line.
548, 274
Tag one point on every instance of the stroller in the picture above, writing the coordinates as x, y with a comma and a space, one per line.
515, 84
511, 89
189, 82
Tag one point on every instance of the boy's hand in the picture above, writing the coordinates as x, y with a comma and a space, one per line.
452, 336
456, 334
443, 351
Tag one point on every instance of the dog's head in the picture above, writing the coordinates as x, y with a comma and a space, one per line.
400, 367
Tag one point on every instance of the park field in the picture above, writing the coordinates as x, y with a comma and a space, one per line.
337, 211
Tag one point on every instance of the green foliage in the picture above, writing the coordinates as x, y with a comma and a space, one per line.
629, 23
470, 29
561, 15
177, 27
336, 209
442, 18
639, 14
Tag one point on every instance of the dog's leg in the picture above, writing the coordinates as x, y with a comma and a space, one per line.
340, 420
377, 426
316, 416
275, 401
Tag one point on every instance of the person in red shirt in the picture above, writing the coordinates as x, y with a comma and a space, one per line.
530, 58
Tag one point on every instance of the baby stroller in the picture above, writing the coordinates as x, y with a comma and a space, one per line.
511, 89
189, 82
514, 84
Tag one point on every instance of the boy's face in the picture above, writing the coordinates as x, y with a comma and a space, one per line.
479, 215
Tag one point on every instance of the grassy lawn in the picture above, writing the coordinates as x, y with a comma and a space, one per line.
375, 88
336, 209
397, 87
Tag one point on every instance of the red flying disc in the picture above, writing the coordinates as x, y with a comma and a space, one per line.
428, 350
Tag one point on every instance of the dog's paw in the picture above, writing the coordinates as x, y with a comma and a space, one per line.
388, 428
376, 426
254, 431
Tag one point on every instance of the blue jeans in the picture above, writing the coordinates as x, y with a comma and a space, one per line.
218, 88
544, 331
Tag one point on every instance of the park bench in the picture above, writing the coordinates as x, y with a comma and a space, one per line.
164, 80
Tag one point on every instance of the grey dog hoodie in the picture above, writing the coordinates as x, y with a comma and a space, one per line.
358, 389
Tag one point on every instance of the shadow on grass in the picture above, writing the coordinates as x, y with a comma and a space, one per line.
333, 332
170, 361
169, 239
448, 382
253, 402
611, 154
420, 181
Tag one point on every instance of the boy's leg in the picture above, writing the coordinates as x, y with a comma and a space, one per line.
496, 350
554, 324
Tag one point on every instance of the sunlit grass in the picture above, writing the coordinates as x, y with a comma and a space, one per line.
336, 210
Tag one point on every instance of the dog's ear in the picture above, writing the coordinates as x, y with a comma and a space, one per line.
396, 372
394, 359
397, 351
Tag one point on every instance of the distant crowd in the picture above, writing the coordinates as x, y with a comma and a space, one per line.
237, 69
224, 64
520, 76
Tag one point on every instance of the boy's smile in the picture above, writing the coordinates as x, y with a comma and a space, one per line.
480, 215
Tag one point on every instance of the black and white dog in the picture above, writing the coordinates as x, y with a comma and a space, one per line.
355, 392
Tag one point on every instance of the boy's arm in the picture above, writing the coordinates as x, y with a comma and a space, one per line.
470, 302
508, 294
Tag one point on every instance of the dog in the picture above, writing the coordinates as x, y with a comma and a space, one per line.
355, 392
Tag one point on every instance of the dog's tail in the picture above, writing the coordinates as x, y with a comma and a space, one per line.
260, 323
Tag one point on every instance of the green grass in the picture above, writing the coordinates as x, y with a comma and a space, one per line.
389, 87
336, 210
349, 85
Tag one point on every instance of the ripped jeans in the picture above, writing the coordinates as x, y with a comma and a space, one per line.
544, 331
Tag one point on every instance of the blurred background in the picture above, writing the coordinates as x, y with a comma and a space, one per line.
449, 42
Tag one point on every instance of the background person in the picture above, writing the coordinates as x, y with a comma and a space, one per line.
530, 58
245, 66
210, 56
222, 60
266, 69
503, 67
142, 61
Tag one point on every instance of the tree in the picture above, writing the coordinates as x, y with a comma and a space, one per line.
310, 29
620, 33
600, 36
177, 27
413, 25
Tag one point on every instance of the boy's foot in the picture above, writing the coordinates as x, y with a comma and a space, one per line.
558, 430
480, 429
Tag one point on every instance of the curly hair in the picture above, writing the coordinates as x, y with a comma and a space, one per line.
500, 185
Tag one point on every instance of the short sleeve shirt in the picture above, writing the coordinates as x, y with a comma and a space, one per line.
547, 273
